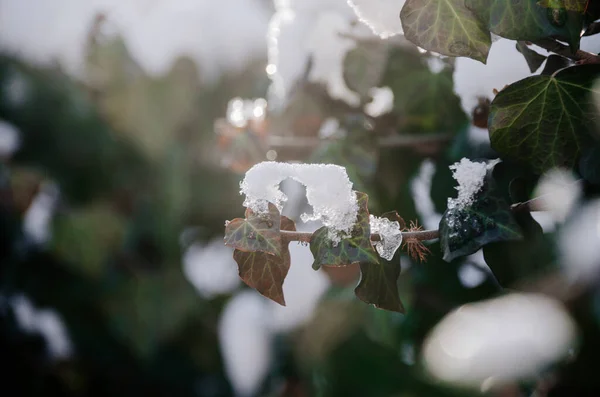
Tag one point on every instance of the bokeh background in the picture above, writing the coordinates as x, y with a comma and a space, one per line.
126, 127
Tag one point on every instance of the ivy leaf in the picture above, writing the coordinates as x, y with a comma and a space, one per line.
447, 27
513, 261
526, 20
258, 232
534, 59
378, 285
355, 249
266, 273
464, 230
364, 67
570, 5
543, 120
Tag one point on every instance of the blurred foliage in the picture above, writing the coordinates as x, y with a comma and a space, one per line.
139, 170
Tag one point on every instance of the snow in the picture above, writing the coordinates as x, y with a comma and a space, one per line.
46, 322
391, 236
421, 193
382, 16
382, 103
38, 217
579, 244
328, 190
210, 268
472, 79
470, 177
311, 30
246, 343
219, 36
558, 191
10, 139
490, 343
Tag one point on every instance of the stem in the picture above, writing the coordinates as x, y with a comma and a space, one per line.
404, 140
564, 50
421, 235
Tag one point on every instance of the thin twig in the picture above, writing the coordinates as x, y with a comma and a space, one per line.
404, 140
580, 56
421, 235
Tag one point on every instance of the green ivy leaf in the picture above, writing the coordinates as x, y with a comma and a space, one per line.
265, 272
570, 5
534, 59
258, 232
378, 285
364, 67
447, 27
355, 249
464, 230
514, 261
543, 120
526, 20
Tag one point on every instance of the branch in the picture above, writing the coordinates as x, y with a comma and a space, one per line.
421, 235
579, 56
397, 140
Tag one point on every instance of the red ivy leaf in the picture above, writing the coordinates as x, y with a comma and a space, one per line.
256, 233
265, 272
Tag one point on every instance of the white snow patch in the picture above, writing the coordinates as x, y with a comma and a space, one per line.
37, 219
210, 268
303, 289
328, 190
478, 136
47, 323
559, 191
421, 193
382, 16
511, 338
10, 139
470, 177
382, 103
246, 342
313, 30
473, 79
391, 236
435, 64
579, 244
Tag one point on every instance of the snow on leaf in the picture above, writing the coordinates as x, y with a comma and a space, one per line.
355, 249
265, 272
379, 15
478, 218
328, 190
258, 232
470, 177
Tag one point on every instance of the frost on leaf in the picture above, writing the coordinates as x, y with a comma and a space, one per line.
355, 249
478, 216
470, 177
328, 190
382, 16
390, 235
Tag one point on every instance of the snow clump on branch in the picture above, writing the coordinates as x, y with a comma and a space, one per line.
328, 190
